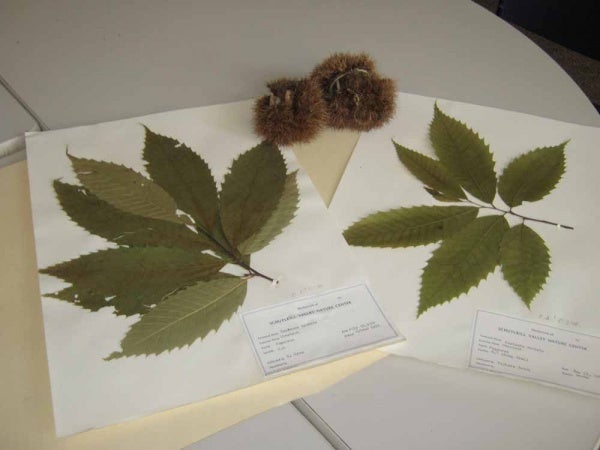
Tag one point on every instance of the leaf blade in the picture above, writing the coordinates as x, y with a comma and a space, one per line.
102, 219
251, 191
125, 189
280, 218
406, 227
532, 175
130, 279
466, 156
525, 262
462, 261
429, 171
184, 317
184, 175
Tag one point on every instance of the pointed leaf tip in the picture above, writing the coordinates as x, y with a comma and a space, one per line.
281, 217
131, 279
532, 175
462, 261
407, 227
125, 189
102, 219
185, 317
464, 154
251, 191
185, 176
114, 355
439, 196
430, 172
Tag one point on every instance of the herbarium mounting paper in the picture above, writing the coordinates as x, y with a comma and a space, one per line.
152, 234
454, 208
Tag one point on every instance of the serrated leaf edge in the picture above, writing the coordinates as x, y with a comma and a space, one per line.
437, 110
121, 354
419, 312
546, 276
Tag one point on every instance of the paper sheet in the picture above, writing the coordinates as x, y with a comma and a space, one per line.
89, 392
375, 180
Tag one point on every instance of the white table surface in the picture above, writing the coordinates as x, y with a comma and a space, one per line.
14, 120
399, 403
76, 63
84, 62
279, 428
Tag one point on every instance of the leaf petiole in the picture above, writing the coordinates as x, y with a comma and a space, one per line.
511, 212
230, 254
254, 273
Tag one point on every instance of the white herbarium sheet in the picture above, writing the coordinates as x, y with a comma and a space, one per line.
375, 180
308, 257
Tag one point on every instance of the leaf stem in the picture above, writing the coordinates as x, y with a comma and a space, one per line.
231, 255
253, 272
511, 212
559, 225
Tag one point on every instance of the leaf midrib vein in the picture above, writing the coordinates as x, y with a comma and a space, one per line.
466, 166
468, 255
408, 228
527, 182
244, 202
437, 173
189, 314
189, 188
162, 209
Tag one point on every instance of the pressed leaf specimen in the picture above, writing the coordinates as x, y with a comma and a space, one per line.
471, 245
174, 233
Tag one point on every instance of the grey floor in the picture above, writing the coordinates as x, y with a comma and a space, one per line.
585, 71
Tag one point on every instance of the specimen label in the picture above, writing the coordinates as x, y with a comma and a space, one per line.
527, 349
309, 330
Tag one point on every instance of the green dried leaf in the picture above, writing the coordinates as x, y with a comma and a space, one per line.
251, 191
439, 196
246, 259
87, 298
532, 176
466, 156
406, 227
462, 261
279, 219
219, 235
131, 279
125, 189
430, 172
525, 261
100, 218
184, 317
185, 176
